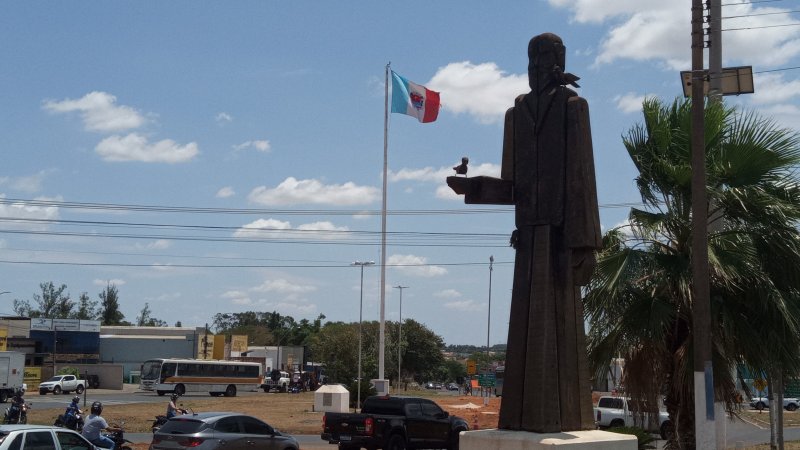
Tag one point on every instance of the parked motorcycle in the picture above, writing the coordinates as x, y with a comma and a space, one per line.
16, 413
71, 421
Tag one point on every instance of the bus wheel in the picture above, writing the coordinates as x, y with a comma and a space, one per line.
160, 393
231, 391
180, 389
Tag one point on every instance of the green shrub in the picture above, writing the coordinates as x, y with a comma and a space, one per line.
645, 439
367, 389
69, 371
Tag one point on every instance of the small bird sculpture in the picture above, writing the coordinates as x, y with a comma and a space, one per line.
461, 169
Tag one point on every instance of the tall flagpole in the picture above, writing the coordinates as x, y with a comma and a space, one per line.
381, 334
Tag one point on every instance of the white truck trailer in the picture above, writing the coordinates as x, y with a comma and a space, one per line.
12, 374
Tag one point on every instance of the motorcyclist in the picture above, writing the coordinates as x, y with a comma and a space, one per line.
95, 424
172, 409
73, 412
18, 403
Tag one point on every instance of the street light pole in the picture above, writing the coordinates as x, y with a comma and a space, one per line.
400, 335
360, 318
489, 314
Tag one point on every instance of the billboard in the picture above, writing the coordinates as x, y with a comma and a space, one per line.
205, 347
239, 343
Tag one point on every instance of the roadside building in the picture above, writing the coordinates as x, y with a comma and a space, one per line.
130, 346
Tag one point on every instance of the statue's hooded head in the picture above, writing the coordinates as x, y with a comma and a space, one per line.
546, 59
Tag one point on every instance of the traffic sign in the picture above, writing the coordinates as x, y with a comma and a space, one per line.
486, 380
471, 369
759, 384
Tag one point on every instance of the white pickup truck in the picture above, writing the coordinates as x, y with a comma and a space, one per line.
613, 412
276, 380
62, 384
759, 403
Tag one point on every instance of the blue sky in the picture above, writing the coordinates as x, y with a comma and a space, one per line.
253, 134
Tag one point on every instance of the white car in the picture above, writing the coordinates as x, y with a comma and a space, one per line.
790, 403
41, 436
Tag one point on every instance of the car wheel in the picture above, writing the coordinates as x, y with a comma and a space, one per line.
79, 390
453, 444
396, 442
617, 423
230, 391
760, 406
3, 396
667, 430
180, 390
791, 407
265, 388
57, 390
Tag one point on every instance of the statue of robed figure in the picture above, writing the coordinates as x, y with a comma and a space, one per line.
548, 174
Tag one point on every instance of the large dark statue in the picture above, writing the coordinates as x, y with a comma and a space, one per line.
548, 174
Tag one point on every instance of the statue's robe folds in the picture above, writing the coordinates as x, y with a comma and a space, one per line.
547, 156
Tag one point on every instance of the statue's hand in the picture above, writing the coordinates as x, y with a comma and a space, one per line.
583, 263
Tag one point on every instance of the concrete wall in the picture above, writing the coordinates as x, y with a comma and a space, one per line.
131, 351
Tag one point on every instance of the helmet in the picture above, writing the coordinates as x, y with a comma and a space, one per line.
76, 399
174, 396
97, 408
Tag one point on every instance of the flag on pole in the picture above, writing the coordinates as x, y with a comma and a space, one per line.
414, 100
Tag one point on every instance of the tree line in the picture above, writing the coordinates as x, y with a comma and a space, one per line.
55, 303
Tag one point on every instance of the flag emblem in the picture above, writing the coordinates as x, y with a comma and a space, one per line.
414, 99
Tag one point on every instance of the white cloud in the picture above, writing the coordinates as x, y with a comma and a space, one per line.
159, 244
273, 229
283, 286
225, 192
237, 297
28, 184
659, 31
465, 305
103, 283
481, 90
262, 146
135, 147
773, 88
293, 191
23, 210
447, 293
630, 102
99, 112
223, 118
440, 175
415, 266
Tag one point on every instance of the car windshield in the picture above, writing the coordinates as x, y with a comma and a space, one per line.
182, 426
55, 379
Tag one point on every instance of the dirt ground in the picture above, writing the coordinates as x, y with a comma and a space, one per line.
290, 413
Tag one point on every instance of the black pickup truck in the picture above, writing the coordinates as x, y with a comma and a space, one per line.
394, 423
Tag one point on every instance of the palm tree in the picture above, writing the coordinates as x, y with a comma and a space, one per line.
639, 303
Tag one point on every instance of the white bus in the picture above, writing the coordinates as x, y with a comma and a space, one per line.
197, 375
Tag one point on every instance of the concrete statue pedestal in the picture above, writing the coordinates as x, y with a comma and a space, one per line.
524, 440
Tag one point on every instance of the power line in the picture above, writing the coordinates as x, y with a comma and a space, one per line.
760, 14
762, 27
752, 2
233, 266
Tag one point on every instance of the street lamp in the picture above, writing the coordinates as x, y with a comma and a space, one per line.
400, 335
360, 315
489, 321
